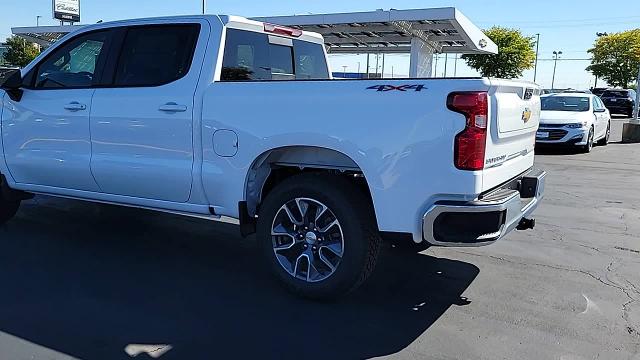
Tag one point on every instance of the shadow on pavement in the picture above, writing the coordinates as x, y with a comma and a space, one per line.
557, 150
88, 280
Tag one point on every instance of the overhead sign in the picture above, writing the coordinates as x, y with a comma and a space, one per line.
66, 10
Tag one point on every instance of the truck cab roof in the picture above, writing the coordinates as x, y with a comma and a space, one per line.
231, 21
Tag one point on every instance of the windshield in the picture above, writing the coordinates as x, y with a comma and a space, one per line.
565, 103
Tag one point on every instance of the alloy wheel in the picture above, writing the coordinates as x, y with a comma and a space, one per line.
307, 239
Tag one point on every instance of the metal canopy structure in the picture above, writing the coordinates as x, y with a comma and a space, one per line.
44, 35
420, 32
445, 30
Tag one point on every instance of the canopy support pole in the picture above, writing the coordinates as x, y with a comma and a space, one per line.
421, 58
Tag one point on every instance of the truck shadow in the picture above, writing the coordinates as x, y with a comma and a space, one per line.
88, 280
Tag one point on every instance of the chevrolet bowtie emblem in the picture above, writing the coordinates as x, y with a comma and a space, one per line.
526, 115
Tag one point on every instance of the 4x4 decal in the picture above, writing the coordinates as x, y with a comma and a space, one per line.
419, 87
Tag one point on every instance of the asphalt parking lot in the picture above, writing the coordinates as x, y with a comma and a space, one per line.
90, 281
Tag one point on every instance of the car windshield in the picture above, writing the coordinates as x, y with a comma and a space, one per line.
612, 93
565, 103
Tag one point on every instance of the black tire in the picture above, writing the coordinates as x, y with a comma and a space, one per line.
587, 148
8, 209
361, 238
605, 140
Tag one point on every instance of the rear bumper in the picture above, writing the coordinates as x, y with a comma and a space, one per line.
486, 220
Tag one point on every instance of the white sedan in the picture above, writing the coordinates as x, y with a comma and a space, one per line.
573, 119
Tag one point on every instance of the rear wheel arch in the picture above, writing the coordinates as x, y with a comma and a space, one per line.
275, 165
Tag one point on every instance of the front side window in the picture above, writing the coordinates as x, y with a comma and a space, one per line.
73, 65
156, 55
595, 104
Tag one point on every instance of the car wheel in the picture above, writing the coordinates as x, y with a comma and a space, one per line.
318, 235
8, 209
605, 140
587, 148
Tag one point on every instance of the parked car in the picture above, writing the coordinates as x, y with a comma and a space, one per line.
565, 91
573, 119
152, 113
620, 101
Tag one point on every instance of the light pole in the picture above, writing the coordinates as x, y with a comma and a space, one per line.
446, 59
636, 110
455, 66
204, 6
599, 34
556, 54
535, 67
38, 20
435, 71
344, 71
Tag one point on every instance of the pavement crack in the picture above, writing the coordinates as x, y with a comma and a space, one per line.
555, 267
608, 282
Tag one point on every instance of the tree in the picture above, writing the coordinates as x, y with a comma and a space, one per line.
515, 55
616, 57
19, 51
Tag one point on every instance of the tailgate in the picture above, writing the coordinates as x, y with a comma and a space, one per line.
515, 115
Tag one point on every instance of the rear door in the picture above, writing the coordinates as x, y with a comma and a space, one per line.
514, 112
142, 126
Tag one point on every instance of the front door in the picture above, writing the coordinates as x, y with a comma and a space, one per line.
142, 125
46, 134
602, 118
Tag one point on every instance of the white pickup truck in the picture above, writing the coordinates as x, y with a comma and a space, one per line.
231, 119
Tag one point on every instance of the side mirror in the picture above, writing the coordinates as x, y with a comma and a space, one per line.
12, 85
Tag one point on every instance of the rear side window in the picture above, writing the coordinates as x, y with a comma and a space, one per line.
251, 56
246, 56
156, 55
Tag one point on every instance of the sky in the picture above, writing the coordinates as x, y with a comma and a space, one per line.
569, 26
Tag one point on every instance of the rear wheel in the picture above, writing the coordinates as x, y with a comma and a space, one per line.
605, 140
587, 148
318, 236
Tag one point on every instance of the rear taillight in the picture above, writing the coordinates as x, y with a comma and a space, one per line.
282, 30
470, 144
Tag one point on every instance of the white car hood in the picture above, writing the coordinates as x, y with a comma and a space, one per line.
564, 117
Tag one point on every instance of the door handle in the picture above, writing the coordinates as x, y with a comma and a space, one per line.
75, 106
172, 107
